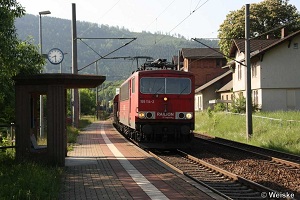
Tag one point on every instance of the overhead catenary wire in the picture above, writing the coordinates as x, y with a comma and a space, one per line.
91, 48
155, 20
197, 8
269, 31
196, 40
107, 54
81, 39
102, 16
276, 28
198, 3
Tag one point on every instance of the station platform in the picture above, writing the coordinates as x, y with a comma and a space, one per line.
104, 165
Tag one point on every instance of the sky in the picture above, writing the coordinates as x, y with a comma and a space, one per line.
189, 18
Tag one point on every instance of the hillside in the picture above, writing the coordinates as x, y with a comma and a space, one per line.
57, 33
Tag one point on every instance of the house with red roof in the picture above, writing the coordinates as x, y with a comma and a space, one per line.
207, 66
205, 63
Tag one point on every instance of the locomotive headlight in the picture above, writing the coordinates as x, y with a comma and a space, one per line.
165, 99
141, 115
189, 115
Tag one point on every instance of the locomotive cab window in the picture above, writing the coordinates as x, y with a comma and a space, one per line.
178, 86
165, 85
133, 85
124, 92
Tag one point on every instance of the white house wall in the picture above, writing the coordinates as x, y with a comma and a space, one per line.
256, 81
280, 67
281, 99
278, 77
239, 85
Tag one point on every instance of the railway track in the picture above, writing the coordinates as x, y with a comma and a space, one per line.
276, 173
272, 173
226, 184
275, 156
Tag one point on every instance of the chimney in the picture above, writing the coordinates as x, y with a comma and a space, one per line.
284, 32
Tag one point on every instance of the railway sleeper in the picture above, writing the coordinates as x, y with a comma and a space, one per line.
209, 179
212, 176
238, 195
227, 186
237, 191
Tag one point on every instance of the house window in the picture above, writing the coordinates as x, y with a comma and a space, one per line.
239, 72
200, 102
255, 97
295, 45
218, 62
254, 69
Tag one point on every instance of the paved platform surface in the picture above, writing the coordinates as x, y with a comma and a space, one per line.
104, 165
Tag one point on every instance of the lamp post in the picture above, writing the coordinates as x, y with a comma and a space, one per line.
41, 52
40, 28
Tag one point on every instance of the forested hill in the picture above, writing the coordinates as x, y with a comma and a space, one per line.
57, 34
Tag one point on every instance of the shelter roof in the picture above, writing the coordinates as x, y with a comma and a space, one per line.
68, 80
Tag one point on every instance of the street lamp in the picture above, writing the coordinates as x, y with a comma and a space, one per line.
41, 96
40, 28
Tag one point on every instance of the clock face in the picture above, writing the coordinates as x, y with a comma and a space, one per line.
55, 56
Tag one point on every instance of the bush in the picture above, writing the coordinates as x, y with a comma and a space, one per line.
238, 105
220, 107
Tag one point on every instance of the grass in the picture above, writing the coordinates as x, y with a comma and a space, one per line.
277, 133
72, 132
86, 120
30, 180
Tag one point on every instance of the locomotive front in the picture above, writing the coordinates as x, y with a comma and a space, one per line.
165, 105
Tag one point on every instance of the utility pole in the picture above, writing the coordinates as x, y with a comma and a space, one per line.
248, 75
97, 101
75, 96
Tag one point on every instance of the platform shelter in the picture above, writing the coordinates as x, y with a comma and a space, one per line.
54, 86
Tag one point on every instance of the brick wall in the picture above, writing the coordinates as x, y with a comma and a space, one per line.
204, 69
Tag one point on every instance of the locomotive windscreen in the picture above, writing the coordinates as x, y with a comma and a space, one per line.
165, 85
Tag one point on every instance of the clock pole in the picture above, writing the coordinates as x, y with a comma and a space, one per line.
75, 96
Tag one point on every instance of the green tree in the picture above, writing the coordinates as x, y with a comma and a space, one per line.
87, 101
264, 16
16, 57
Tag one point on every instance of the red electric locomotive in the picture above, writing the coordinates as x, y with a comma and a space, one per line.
156, 103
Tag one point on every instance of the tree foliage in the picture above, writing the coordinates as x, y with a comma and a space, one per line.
87, 101
264, 16
16, 57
